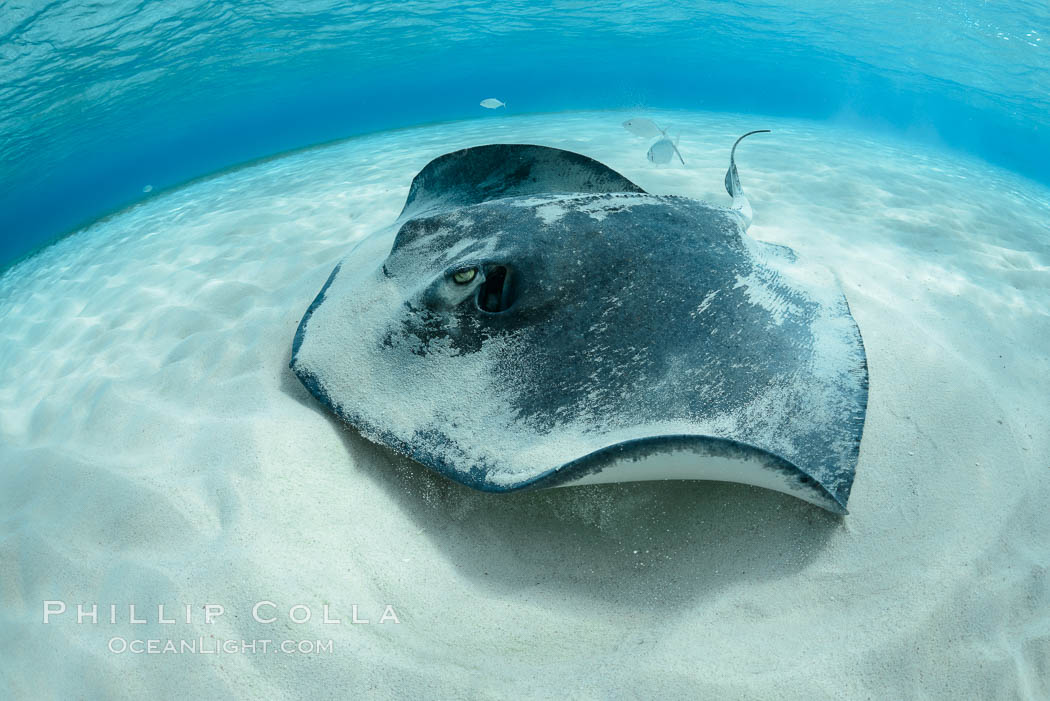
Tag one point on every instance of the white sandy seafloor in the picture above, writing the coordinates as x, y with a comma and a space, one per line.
155, 449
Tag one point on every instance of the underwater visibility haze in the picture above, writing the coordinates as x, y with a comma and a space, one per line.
101, 100
228, 227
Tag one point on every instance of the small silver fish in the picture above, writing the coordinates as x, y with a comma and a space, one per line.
663, 149
492, 103
639, 126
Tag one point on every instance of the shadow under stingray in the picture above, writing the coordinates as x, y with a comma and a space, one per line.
641, 546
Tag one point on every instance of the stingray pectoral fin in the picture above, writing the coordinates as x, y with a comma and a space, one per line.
482, 173
740, 202
692, 458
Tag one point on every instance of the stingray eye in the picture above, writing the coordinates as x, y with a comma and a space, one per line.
462, 277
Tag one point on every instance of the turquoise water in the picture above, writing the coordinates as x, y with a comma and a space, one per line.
100, 101
156, 449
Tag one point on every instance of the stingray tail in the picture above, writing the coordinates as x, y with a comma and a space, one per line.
740, 203
674, 144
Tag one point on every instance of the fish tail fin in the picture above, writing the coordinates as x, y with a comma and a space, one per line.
740, 203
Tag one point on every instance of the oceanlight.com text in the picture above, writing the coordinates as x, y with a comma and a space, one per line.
211, 646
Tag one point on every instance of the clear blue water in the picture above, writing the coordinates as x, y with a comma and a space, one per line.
100, 99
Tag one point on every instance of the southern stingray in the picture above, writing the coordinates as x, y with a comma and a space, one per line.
534, 319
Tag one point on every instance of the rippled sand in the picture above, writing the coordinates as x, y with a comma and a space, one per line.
155, 449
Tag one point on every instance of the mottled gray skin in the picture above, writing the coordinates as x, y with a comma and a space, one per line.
624, 307
565, 278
